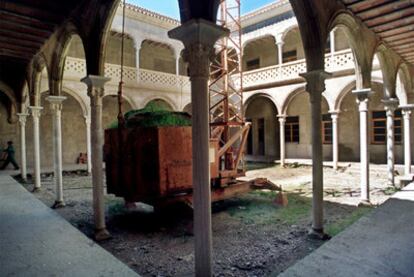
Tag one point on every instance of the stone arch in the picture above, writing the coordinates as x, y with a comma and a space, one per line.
261, 94
78, 98
345, 90
262, 51
404, 85
263, 138
267, 34
157, 56
11, 104
292, 42
113, 46
166, 99
389, 62
188, 108
39, 64
362, 43
160, 103
298, 109
297, 92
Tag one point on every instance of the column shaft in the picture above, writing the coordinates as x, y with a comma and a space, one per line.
335, 141
407, 142
23, 163
56, 107
363, 101
88, 144
280, 53
390, 107
36, 146
96, 92
199, 38
282, 121
315, 86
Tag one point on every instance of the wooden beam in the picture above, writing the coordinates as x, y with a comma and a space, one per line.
14, 54
400, 41
378, 21
18, 48
398, 36
394, 24
26, 29
32, 11
396, 31
22, 42
26, 20
20, 36
384, 10
365, 5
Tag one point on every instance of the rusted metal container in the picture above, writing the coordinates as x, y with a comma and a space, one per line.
151, 164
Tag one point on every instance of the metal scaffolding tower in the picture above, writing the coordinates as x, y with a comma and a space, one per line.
226, 93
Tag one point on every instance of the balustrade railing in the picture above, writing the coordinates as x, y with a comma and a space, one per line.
341, 60
142, 78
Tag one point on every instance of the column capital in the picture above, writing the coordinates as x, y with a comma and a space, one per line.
282, 118
334, 115
35, 110
390, 104
363, 94
315, 80
22, 117
56, 102
407, 109
199, 37
95, 85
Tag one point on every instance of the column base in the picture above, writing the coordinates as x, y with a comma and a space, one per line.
58, 205
364, 203
318, 234
102, 234
35, 190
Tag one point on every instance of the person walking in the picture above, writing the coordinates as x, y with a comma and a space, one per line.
10, 156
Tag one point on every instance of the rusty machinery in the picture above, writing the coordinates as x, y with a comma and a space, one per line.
153, 165
227, 121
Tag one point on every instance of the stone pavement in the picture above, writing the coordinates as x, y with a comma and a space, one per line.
36, 241
379, 244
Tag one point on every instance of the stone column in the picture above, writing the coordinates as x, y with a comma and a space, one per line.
282, 121
335, 141
56, 107
390, 106
96, 92
88, 143
199, 37
332, 41
315, 86
23, 164
280, 52
36, 146
406, 111
362, 101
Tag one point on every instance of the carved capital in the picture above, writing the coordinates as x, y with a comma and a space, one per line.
407, 110
315, 83
36, 111
56, 102
390, 105
96, 86
362, 94
199, 37
199, 57
22, 118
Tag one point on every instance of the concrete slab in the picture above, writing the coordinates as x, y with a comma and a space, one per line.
379, 244
35, 241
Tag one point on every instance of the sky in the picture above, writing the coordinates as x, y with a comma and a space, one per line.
170, 7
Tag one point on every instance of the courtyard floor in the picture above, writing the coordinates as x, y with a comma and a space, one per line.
252, 235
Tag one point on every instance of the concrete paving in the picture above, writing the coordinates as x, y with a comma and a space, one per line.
36, 241
379, 244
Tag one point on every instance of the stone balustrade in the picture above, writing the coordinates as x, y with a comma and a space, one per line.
155, 80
